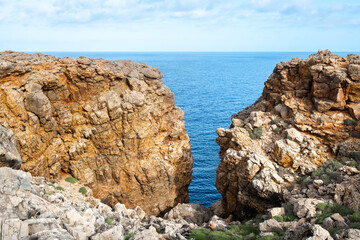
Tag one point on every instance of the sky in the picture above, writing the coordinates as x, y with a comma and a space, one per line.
180, 25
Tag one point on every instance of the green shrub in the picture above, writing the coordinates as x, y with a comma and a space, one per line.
83, 190
219, 235
326, 210
335, 230
352, 164
277, 130
355, 155
247, 230
350, 122
344, 160
276, 121
71, 180
305, 181
327, 172
286, 218
256, 133
129, 236
51, 185
355, 217
59, 188
355, 225
109, 221
200, 234
270, 237
45, 192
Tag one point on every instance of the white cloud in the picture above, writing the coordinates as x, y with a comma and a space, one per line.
147, 22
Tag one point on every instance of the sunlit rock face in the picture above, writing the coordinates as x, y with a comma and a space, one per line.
112, 125
308, 114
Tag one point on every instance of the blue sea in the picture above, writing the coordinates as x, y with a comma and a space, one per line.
209, 87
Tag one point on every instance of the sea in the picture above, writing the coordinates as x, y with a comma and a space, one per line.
209, 87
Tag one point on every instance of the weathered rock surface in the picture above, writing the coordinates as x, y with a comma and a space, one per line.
112, 125
309, 232
193, 213
33, 208
9, 155
308, 114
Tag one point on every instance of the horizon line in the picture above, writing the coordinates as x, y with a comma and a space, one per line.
257, 51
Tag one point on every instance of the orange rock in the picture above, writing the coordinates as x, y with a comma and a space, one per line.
303, 112
112, 125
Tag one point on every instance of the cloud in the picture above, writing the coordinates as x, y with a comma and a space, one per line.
160, 22
276, 12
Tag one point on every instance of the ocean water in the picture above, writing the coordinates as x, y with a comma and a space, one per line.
209, 87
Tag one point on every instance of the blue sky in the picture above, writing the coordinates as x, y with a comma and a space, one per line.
174, 25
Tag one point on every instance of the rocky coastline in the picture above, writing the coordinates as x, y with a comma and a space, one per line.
95, 149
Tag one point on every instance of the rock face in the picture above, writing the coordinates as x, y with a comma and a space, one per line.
112, 125
308, 114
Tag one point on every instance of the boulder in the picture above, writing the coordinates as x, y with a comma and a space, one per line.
147, 234
192, 213
218, 224
54, 234
270, 225
347, 234
305, 207
277, 211
113, 233
307, 231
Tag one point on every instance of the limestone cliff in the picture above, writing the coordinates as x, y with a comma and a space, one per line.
112, 125
308, 114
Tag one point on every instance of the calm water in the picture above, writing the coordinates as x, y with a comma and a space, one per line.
209, 87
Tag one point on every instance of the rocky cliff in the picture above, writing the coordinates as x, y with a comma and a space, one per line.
112, 125
308, 114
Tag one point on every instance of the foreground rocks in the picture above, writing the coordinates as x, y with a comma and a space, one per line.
110, 124
307, 115
34, 208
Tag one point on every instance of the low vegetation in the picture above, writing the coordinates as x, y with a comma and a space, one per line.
83, 190
109, 221
276, 121
71, 180
129, 236
328, 172
326, 210
248, 230
255, 133
287, 218
59, 188
350, 122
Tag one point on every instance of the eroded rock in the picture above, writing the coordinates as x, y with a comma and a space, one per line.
307, 115
110, 124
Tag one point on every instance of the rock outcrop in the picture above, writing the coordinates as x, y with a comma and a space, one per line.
112, 125
308, 114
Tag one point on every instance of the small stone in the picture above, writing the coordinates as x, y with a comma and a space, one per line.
328, 223
278, 211
337, 217
270, 225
